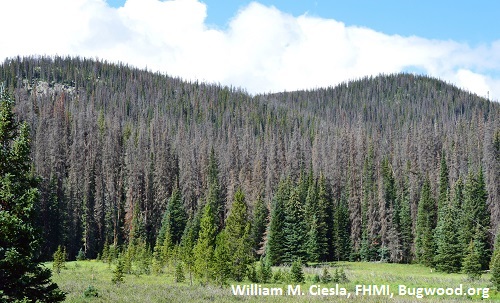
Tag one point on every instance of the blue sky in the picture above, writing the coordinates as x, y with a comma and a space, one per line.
270, 45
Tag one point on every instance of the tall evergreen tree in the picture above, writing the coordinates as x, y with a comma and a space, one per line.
214, 193
405, 222
237, 236
495, 265
259, 225
295, 228
276, 243
21, 277
448, 256
475, 215
342, 229
426, 223
174, 219
203, 251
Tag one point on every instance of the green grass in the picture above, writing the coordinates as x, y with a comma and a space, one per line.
79, 275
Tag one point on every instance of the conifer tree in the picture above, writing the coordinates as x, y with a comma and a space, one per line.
342, 229
214, 193
237, 236
295, 228
426, 222
174, 219
221, 263
405, 222
277, 235
21, 277
495, 265
448, 256
188, 242
265, 272
203, 251
472, 262
259, 225
296, 272
59, 259
476, 217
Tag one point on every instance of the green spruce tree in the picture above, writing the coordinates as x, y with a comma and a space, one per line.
238, 237
426, 223
276, 245
203, 251
21, 277
495, 265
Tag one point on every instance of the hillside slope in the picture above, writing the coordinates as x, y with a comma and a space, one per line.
109, 139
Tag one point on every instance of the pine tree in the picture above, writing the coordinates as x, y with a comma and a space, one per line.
475, 217
174, 219
277, 235
342, 229
405, 222
237, 232
119, 271
188, 242
21, 277
214, 193
296, 272
265, 272
471, 263
448, 256
259, 225
179, 273
426, 222
221, 263
295, 228
203, 251
59, 259
495, 265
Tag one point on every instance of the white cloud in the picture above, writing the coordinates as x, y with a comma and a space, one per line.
262, 49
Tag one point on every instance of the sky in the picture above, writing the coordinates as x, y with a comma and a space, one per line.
268, 45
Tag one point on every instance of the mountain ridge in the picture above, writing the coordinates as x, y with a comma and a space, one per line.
108, 138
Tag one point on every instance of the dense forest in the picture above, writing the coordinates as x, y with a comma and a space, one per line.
396, 168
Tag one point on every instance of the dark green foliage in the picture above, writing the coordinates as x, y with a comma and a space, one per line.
426, 223
203, 251
341, 230
221, 263
295, 228
475, 220
472, 261
81, 255
259, 225
90, 292
174, 219
238, 241
179, 273
119, 272
265, 272
405, 223
448, 253
495, 265
340, 276
296, 273
276, 244
21, 277
325, 276
252, 273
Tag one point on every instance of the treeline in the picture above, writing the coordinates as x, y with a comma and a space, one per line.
346, 172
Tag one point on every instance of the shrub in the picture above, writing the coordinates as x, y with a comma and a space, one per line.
90, 292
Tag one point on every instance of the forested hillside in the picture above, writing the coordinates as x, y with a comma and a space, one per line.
381, 168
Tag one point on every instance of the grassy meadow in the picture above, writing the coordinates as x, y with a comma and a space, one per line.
82, 277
